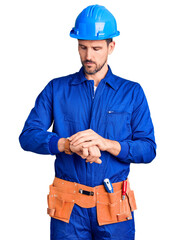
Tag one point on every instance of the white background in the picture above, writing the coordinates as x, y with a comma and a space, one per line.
35, 47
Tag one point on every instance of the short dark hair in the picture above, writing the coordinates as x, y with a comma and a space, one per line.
109, 40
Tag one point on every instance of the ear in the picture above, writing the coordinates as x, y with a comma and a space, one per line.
111, 47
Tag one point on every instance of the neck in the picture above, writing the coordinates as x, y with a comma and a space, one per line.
97, 77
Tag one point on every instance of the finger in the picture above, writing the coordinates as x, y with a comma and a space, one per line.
83, 139
76, 149
81, 134
94, 152
92, 155
93, 142
91, 159
85, 153
97, 160
91, 151
89, 162
97, 151
74, 136
78, 134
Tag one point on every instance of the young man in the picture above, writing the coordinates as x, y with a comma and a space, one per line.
101, 124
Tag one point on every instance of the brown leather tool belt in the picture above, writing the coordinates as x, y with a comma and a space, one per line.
110, 206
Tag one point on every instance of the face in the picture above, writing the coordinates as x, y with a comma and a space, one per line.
94, 54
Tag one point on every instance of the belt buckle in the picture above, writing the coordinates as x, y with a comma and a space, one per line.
88, 193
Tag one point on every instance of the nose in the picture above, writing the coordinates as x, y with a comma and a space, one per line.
88, 54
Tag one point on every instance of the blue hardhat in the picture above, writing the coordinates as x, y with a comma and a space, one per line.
95, 23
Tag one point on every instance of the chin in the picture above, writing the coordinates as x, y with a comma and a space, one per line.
90, 72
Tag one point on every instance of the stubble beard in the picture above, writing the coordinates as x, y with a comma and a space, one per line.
92, 72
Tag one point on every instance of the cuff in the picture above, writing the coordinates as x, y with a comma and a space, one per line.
53, 145
124, 150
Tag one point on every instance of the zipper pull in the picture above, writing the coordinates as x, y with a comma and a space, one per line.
110, 111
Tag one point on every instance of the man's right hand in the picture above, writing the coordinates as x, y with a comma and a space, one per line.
91, 154
94, 155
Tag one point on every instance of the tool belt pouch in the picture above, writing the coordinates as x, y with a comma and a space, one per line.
60, 204
110, 206
112, 209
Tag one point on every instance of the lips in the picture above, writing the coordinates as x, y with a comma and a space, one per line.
88, 63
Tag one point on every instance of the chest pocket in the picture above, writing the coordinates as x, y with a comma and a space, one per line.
117, 125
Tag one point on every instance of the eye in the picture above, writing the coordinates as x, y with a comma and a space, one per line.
82, 47
96, 48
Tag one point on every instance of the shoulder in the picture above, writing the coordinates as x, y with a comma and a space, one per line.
127, 85
64, 80
58, 83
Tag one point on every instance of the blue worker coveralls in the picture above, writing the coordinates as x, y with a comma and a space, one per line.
118, 111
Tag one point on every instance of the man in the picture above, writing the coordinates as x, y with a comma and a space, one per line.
101, 124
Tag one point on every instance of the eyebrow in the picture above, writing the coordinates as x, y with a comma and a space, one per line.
82, 45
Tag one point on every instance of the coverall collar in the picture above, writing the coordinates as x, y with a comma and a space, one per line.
110, 79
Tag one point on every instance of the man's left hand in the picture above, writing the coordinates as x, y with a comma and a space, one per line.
89, 138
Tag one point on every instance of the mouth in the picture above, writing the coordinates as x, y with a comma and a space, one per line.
89, 63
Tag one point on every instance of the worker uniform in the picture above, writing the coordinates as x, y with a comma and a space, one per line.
118, 110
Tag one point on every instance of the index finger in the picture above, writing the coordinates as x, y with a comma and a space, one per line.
78, 135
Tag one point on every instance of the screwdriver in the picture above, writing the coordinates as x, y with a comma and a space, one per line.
124, 189
108, 185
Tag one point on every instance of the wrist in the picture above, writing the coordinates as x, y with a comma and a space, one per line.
67, 147
61, 144
113, 147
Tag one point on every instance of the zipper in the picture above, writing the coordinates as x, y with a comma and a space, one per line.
92, 98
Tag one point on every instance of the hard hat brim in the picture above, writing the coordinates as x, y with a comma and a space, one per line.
77, 36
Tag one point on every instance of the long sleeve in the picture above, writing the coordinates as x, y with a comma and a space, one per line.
142, 147
35, 137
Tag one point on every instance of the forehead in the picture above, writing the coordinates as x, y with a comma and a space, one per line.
93, 43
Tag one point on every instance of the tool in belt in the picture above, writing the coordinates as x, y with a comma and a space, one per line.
111, 208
